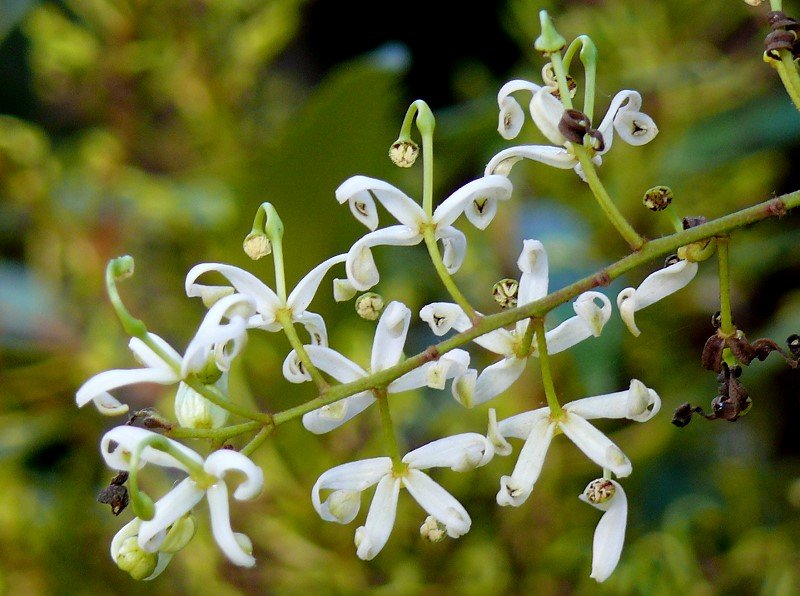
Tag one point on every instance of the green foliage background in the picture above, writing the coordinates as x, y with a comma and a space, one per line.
156, 129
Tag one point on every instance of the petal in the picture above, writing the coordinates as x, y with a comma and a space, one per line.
635, 128
532, 262
595, 445
372, 536
557, 157
664, 282
151, 359
609, 536
589, 321
496, 378
438, 502
390, 336
546, 112
454, 245
510, 119
433, 374
511, 115
360, 266
515, 489
393, 199
354, 476
500, 445
463, 388
636, 403
343, 290
169, 509
244, 283
626, 303
221, 526
520, 425
127, 439
224, 460
361, 203
327, 418
443, 316
294, 370
459, 453
96, 389
473, 197
212, 331
306, 288
333, 363
631, 100
315, 325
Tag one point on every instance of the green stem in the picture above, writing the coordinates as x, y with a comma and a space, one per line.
589, 60
652, 250
389, 434
561, 79
447, 280
215, 396
257, 441
544, 363
120, 268
726, 316
787, 71
215, 434
285, 320
604, 200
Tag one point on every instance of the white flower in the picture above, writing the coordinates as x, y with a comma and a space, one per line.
472, 389
656, 286
538, 427
387, 348
609, 536
214, 340
477, 200
119, 443
347, 481
267, 301
623, 115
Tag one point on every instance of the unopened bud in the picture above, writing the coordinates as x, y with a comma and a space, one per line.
404, 153
256, 245
194, 411
505, 292
369, 306
657, 198
433, 530
132, 558
599, 491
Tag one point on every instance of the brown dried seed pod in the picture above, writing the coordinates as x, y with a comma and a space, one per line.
712, 353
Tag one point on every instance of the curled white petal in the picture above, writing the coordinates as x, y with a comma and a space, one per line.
454, 247
499, 443
353, 477
595, 445
532, 262
443, 316
635, 128
293, 369
588, 321
360, 265
120, 442
372, 536
463, 388
510, 119
624, 100
636, 403
390, 336
458, 452
515, 489
330, 417
438, 502
305, 290
557, 157
626, 303
609, 536
496, 378
218, 508
357, 189
168, 509
477, 199
546, 112
225, 460
243, 282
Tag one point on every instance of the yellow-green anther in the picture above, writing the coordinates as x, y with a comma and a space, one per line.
550, 41
256, 245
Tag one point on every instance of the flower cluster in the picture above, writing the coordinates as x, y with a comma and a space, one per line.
344, 388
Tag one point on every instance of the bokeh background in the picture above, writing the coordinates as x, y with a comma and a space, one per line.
156, 128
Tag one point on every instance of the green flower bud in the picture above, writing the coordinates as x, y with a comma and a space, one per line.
132, 558
179, 534
256, 245
369, 306
194, 411
404, 153
657, 198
